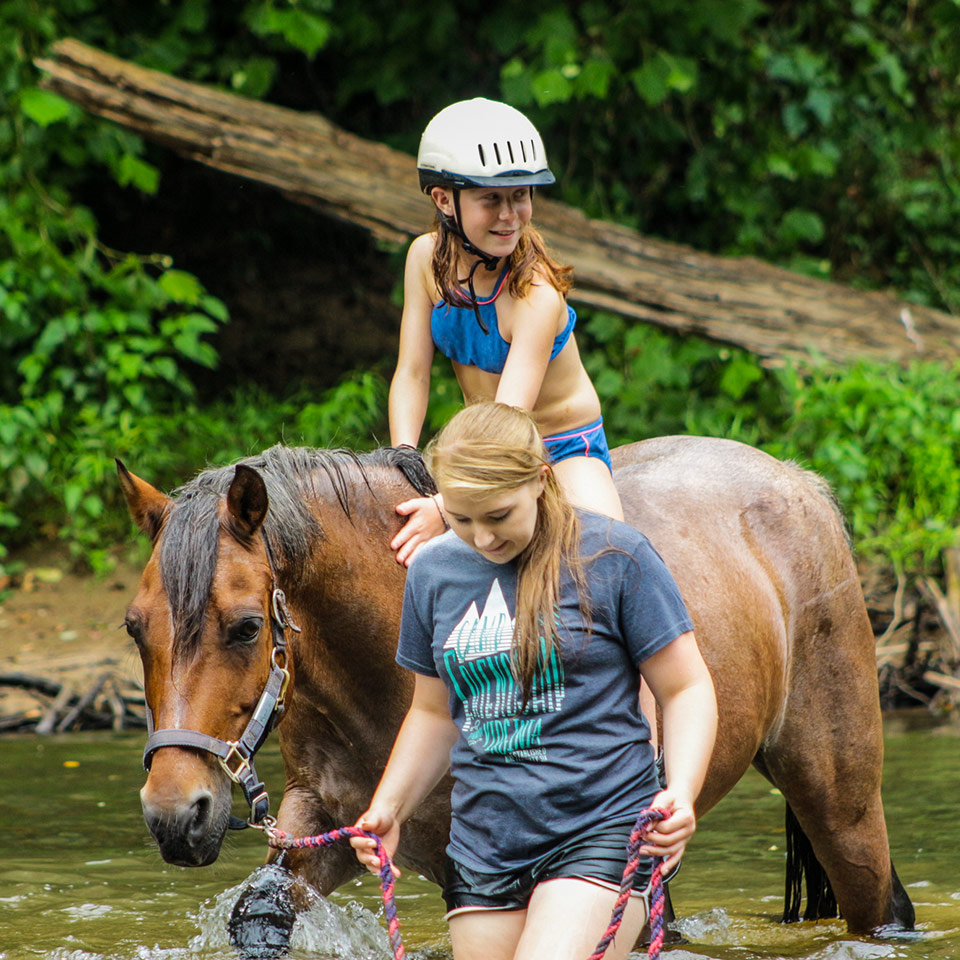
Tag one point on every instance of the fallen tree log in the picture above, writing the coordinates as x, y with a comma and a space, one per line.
771, 311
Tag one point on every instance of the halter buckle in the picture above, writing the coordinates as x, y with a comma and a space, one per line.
234, 754
280, 611
282, 667
267, 824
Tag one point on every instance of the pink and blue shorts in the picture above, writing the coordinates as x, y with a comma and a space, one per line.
588, 441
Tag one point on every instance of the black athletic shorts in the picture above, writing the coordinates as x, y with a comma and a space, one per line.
598, 856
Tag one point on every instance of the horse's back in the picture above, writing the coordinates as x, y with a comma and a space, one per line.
759, 552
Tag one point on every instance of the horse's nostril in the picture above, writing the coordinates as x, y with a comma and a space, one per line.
201, 814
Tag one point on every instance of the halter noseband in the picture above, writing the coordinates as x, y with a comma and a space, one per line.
236, 756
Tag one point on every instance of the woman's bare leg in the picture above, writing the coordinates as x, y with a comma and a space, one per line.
486, 934
566, 919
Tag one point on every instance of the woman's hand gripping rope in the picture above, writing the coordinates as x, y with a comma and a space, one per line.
667, 837
376, 825
384, 866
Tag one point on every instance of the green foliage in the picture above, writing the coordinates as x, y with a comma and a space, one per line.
887, 439
91, 338
822, 136
884, 437
652, 383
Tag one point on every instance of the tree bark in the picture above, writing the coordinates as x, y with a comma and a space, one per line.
770, 311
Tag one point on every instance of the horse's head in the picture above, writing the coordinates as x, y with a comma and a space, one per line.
202, 623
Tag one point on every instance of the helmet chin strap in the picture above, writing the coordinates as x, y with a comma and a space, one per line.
489, 262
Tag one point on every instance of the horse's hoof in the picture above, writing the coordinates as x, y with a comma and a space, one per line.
263, 916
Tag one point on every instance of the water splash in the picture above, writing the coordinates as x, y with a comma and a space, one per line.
854, 950
702, 925
322, 930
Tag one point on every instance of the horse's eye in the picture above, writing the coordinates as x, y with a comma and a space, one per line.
246, 631
134, 630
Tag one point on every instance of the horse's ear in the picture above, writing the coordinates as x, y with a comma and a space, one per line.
247, 502
148, 506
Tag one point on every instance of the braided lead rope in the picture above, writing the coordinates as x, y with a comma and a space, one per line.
646, 819
283, 841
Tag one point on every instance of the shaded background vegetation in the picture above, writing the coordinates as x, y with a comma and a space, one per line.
154, 310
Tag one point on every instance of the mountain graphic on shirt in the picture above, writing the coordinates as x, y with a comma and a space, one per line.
486, 633
477, 660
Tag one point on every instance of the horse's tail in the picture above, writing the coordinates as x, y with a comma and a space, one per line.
802, 861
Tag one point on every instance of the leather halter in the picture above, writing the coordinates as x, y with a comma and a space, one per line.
236, 756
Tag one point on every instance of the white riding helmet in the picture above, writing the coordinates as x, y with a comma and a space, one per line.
481, 143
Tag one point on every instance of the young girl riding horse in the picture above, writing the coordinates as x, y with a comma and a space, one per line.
528, 627
509, 333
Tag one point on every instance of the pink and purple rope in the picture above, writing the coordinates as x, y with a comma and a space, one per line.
278, 838
646, 819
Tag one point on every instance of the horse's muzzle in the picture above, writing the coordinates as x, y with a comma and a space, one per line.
188, 823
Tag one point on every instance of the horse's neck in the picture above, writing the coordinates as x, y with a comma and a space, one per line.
348, 602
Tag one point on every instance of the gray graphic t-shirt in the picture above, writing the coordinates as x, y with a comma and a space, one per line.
578, 754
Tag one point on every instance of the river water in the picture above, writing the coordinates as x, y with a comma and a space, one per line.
81, 880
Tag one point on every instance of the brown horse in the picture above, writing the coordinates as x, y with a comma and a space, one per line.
756, 545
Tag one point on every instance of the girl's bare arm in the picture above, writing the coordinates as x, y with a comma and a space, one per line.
410, 386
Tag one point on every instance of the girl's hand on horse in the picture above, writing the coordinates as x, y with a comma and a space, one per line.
424, 522
385, 826
668, 838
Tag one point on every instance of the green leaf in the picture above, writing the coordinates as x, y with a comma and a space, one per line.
650, 80
72, 495
515, 83
594, 79
794, 120
196, 350
682, 72
780, 166
144, 176
556, 34
166, 368
255, 78
801, 225
130, 365
44, 106
551, 86
304, 31
738, 376
820, 104
181, 287
215, 307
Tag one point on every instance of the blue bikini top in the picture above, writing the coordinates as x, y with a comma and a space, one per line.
457, 334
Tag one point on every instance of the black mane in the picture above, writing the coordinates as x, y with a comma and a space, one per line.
188, 551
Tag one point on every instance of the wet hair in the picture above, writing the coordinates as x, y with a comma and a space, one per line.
489, 449
528, 261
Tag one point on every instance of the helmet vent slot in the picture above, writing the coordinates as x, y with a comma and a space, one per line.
496, 150
510, 151
533, 149
523, 150
483, 159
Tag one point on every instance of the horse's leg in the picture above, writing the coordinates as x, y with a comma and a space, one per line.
262, 919
827, 760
